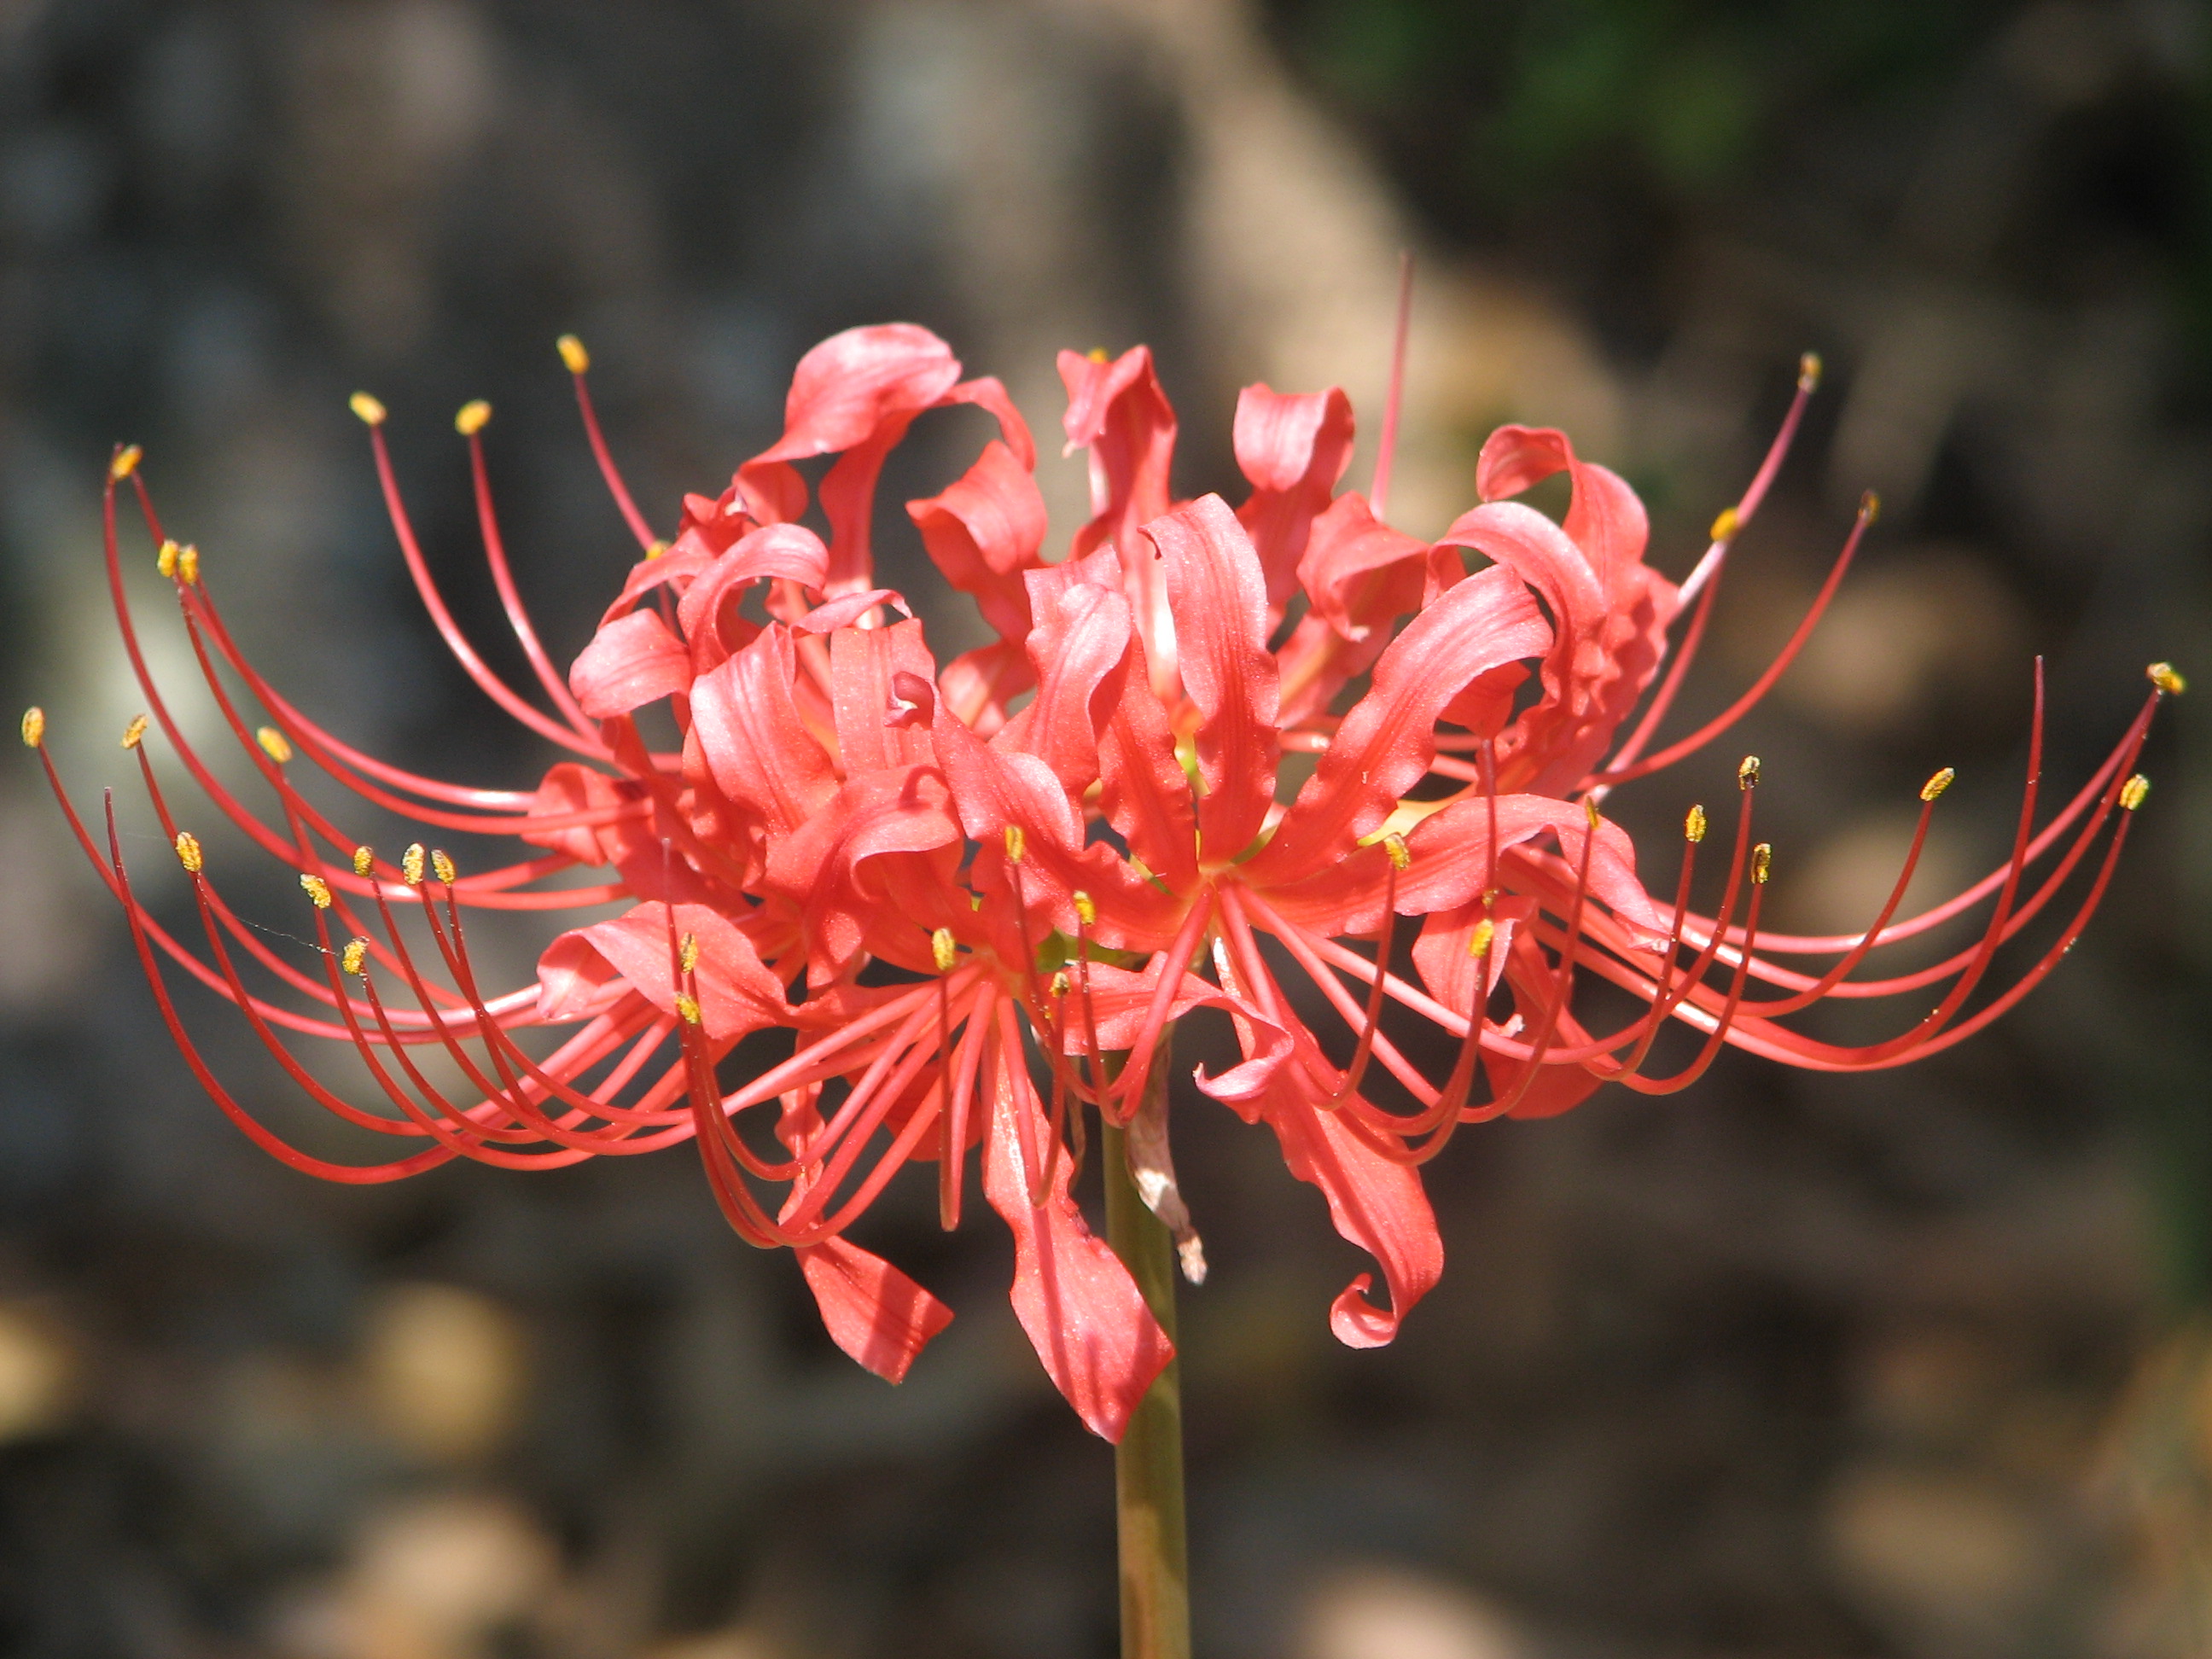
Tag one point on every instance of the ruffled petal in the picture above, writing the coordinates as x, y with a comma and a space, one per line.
1228, 673
1118, 412
1359, 574
984, 533
1081, 650
1388, 739
1612, 610
1375, 1202
757, 747
1292, 446
631, 661
874, 867
1450, 861
736, 994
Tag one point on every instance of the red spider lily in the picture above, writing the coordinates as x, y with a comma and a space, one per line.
977, 920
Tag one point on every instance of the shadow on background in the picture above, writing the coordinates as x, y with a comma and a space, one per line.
1786, 1366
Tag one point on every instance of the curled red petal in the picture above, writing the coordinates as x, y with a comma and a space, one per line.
1228, 673
1118, 412
1080, 647
1292, 446
841, 393
736, 993
1376, 1202
1358, 573
745, 719
1385, 745
984, 533
871, 1310
631, 661
1084, 1314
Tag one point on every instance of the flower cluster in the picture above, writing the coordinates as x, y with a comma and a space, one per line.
1208, 751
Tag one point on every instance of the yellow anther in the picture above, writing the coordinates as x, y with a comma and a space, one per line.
316, 888
573, 354
370, 411
1762, 862
1747, 775
410, 865
1395, 845
188, 564
165, 560
942, 947
1098, 354
1086, 909
273, 744
442, 867
1809, 371
126, 461
1694, 824
134, 733
1936, 785
687, 954
2133, 791
470, 421
2167, 678
355, 956
1477, 942
687, 1005
656, 549
1726, 526
1061, 985
364, 861
1590, 812
188, 851
1869, 507
34, 727
1017, 843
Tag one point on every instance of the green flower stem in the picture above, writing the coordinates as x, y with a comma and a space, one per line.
1148, 1463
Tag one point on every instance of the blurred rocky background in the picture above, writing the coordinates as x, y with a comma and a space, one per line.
1787, 1367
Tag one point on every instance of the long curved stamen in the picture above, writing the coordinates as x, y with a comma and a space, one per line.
1930, 792
1394, 847
1682, 1080
268, 1142
469, 423
1734, 519
1736, 710
411, 550
2122, 756
579, 364
1174, 964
